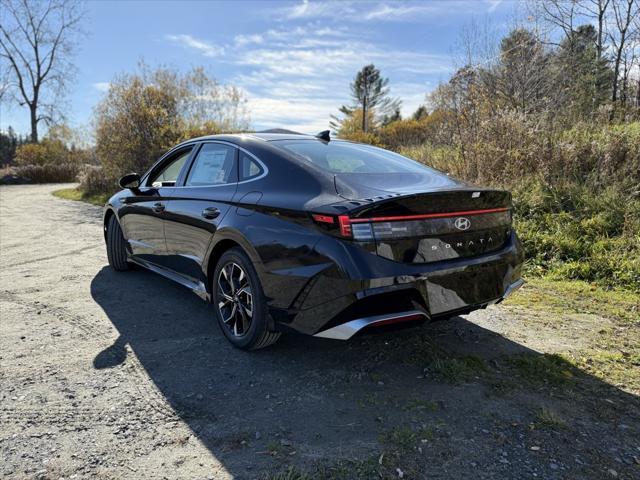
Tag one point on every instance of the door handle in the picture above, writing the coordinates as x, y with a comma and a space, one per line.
210, 213
158, 207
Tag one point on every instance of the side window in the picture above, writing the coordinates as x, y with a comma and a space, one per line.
214, 165
168, 175
249, 168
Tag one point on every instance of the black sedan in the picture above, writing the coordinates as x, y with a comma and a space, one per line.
325, 237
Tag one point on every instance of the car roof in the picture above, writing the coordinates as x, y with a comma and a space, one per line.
239, 138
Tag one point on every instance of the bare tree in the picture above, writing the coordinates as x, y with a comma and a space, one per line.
36, 41
561, 14
625, 14
597, 9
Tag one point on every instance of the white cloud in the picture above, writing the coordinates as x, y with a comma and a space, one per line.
298, 85
299, 114
187, 41
382, 11
398, 11
307, 9
242, 40
297, 77
493, 4
102, 86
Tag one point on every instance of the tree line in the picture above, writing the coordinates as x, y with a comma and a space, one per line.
551, 65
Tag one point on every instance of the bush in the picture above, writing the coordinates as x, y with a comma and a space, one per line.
93, 181
45, 152
573, 231
145, 114
135, 124
48, 173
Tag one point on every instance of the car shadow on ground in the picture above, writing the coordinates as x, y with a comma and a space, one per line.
307, 400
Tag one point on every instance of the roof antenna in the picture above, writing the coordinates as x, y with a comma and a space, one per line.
324, 135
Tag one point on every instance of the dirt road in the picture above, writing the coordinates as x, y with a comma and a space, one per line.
125, 375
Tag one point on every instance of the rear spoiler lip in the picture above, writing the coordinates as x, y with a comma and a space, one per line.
426, 216
348, 207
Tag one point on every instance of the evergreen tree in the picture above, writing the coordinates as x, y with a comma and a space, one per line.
370, 94
583, 78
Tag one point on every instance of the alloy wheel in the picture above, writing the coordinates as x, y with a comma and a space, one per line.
235, 300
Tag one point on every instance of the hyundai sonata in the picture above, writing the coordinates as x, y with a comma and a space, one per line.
321, 236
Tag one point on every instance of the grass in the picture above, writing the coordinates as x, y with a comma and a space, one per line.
547, 419
76, 194
456, 369
340, 470
537, 369
613, 354
420, 404
441, 365
403, 438
576, 296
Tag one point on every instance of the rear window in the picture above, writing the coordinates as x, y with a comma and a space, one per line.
345, 157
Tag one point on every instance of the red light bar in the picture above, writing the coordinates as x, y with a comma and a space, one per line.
322, 218
418, 217
345, 225
406, 318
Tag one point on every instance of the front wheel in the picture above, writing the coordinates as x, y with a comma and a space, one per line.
239, 302
116, 246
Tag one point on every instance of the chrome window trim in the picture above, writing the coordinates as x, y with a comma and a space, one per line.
265, 170
145, 176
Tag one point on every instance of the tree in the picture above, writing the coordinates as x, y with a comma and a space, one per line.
522, 75
144, 114
583, 80
420, 113
37, 42
597, 9
9, 141
370, 93
393, 117
625, 14
135, 123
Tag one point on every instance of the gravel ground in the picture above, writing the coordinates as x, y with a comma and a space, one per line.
126, 375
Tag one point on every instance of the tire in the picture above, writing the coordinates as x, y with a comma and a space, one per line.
235, 287
116, 246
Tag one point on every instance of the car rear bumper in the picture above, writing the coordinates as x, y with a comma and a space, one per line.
345, 331
338, 302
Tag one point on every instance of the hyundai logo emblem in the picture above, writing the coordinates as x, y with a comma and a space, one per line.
462, 223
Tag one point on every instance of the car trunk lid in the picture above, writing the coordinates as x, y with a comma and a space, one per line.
445, 220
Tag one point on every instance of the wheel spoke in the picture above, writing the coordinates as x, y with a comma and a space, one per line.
221, 289
246, 300
225, 302
243, 318
235, 299
232, 314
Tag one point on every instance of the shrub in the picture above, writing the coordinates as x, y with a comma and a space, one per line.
45, 152
135, 124
48, 173
93, 181
146, 113
573, 231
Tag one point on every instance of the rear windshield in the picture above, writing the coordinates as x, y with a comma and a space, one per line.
345, 157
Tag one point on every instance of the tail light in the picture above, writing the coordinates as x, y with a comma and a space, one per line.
405, 226
336, 225
345, 226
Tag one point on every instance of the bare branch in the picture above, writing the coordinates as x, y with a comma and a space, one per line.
36, 39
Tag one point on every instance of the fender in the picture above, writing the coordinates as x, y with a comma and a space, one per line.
227, 233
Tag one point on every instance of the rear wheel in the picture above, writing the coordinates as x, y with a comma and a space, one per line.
116, 246
239, 302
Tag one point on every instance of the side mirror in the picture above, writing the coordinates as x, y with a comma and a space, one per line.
130, 181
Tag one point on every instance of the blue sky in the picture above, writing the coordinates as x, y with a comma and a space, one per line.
294, 60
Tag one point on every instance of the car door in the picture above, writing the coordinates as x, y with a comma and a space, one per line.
143, 212
198, 206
